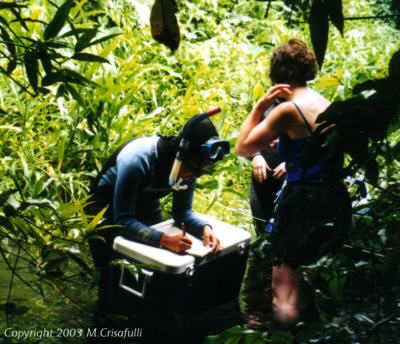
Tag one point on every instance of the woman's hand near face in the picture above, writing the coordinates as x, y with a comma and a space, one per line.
255, 135
280, 90
260, 168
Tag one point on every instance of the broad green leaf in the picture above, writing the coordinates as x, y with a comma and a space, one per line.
319, 27
45, 60
84, 40
335, 11
32, 68
9, 42
95, 221
258, 92
74, 32
71, 90
340, 72
10, 5
327, 81
57, 23
11, 66
51, 44
52, 78
89, 58
43, 90
72, 76
100, 40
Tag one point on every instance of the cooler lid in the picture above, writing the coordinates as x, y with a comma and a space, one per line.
232, 239
159, 258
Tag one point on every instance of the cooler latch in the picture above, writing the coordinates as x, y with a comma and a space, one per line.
190, 271
241, 248
140, 291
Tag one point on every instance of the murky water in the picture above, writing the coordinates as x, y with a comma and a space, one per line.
30, 318
53, 319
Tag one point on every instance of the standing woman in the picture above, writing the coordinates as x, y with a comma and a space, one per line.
311, 218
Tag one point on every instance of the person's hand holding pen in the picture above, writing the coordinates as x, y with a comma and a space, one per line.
177, 243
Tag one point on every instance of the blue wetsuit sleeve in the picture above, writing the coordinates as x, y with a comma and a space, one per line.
130, 178
182, 210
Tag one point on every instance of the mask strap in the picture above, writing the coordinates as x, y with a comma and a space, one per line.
173, 181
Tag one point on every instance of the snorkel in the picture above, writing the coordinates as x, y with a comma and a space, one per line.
173, 181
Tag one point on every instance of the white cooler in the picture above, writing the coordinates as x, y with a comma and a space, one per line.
181, 283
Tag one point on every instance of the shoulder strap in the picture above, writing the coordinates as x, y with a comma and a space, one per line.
109, 163
304, 118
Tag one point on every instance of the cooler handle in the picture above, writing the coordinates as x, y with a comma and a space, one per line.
147, 277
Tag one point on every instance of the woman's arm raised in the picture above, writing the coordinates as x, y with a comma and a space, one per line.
254, 136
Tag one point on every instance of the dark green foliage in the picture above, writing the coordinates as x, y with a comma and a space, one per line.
88, 57
43, 60
32, 68
164, 25
58, 21
319, 27
335, 11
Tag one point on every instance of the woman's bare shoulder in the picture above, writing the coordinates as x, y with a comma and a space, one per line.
285, 108
285, 111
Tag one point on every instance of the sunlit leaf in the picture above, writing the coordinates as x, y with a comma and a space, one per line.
17, 14
258, 92
328, 81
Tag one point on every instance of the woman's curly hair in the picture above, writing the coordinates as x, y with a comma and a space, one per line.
293, 62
